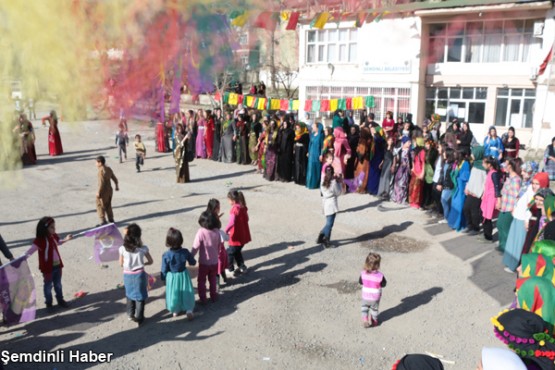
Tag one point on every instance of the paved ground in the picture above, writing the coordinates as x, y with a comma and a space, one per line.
298, 306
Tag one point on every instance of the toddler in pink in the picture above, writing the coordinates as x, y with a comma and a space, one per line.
372, 281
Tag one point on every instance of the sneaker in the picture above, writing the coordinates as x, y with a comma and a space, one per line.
190, 316
229, 272
174, 314
466, 231
375, 323
63, 304
506, 269
49, 305
320, 238
237, 272
365, 324
243, 268
442, 221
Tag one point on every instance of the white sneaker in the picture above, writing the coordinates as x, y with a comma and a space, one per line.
243, 268
228, 272
506, 269
442, 221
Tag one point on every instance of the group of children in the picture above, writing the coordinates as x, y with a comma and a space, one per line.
134, 256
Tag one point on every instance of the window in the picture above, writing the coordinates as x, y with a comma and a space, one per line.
515, 107
244, 60
243, 39
466, 103
332, 46
494, 41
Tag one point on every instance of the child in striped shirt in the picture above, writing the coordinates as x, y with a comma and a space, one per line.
372, 281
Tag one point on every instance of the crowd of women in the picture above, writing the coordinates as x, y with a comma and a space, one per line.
25, 139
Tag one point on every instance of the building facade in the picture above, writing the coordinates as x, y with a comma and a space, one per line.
480, 64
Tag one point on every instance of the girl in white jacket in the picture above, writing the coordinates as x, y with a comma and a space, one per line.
331, 187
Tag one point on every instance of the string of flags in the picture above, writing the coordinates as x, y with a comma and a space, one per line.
269, 20
310, 105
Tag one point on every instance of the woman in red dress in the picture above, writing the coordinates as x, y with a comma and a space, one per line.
209, 132
54, 139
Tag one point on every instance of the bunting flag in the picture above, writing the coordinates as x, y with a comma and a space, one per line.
316, 105
293, 20
372, 17
308, 105
17, 290
250, 101
325, 105
284, 104
342, 104
296, 105
107, 240
369, 102
261, 103
241, 19
226, 98
348, 104
361, 16
240, 99
320, 20
358, 103
333, 105
275, 104
233, 99
266, 20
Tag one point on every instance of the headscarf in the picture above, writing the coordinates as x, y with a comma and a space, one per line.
527, 335
300, 130
543, 179
537, 295
404, 139
478, 154
530, 168
420, 141
501, 359
418, 362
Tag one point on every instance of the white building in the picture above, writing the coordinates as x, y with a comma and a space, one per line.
477, 63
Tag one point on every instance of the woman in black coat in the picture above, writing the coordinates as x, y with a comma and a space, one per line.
286, 141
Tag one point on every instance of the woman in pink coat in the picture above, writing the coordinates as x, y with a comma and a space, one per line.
492, 191
341, 151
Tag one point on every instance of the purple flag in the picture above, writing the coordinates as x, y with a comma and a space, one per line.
107, 240
17, 292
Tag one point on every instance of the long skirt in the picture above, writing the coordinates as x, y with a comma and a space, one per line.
252, 146
28, 153
515, 242
400, 189
313, 174
200, 146
456, 219
270, 172
216, 147
228, 152
385, 179
503, 226
55, 143
135, 285
361, 177
416, 187
374, 173
180, 294
183, 172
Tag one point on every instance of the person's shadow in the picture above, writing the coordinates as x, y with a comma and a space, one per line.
410, 303
378, 234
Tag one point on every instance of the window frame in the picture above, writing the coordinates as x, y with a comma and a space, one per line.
323, 42
510, 94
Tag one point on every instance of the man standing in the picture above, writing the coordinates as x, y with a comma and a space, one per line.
104, 194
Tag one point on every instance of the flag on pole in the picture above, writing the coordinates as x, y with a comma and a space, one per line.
107, 240
17, 292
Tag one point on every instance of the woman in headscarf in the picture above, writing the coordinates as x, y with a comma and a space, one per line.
200, 145
376, 159
511, 145
261, 147
314, 152
493, 145
418, 362
362, 160
537, 219
241, 146
549, 157
473, 191
507, 202
271, 151
416, 184
254, 133
431, 157
228, 139
341, 151
500, 359
54, 139
24, 129
521, 214
300, 151
286, 141
399, 191
386, 169
465, 138
216, 156
353, 137
327, 145
460, 177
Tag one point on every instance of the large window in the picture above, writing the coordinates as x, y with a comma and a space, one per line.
510, 40
386, 99
333, 45
515, 107
464, 103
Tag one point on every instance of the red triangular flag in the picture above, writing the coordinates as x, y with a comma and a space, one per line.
266, 20
293, 20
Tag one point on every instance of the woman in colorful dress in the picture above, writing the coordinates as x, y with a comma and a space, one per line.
24, 129
549, 157
271, 151
182, 146
327, 144
493, 145
400, 187
260, 149
388, 124
511, 145
416, 184
492, 192
362, 160
54, 139
200, 145
506, 204
209, 133
341, 151
376, 158
254, 133
460, 176
314, 151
